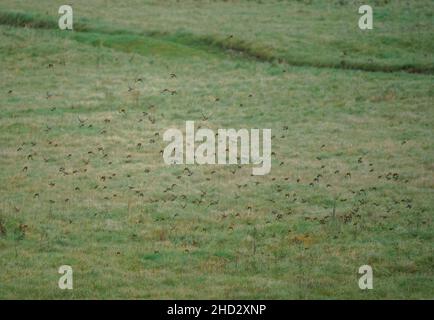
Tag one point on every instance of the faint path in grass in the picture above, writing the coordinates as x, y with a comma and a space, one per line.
184, 43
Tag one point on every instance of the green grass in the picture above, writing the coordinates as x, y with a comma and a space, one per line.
88, 195
303, 33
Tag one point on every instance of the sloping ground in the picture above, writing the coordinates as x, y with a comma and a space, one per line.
83, 181
314, 33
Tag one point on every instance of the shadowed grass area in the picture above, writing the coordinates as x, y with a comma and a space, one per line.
20, 19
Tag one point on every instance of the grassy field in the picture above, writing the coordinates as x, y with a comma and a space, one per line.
83, 181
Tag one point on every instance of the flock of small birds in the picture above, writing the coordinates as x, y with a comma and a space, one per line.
176, 192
